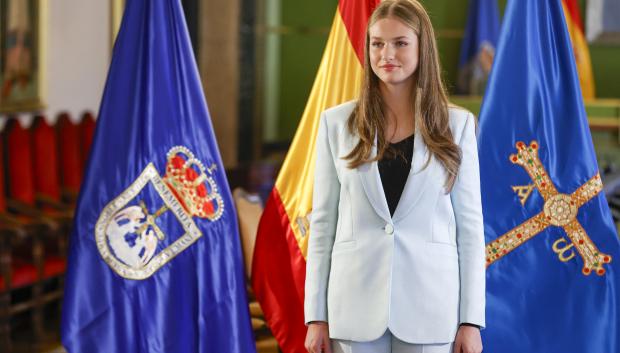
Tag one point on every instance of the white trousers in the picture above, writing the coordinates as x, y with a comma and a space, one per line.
388, 343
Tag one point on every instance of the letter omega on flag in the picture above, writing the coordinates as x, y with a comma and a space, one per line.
559, 210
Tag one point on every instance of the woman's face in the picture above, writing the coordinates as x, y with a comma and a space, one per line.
393, 51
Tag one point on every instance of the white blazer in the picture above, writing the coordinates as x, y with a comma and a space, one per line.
419, 273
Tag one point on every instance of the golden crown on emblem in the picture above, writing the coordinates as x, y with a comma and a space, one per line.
187, 178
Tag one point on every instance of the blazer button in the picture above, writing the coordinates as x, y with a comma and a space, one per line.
389, 229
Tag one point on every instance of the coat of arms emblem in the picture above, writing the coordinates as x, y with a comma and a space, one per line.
131, 229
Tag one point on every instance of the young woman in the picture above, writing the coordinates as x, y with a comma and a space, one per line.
396, 256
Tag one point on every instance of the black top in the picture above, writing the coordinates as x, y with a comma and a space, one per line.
394, 171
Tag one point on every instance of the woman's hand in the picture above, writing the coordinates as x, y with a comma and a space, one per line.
317, 338
468, 340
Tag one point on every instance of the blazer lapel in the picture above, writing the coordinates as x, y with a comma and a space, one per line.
371, 180
417, 180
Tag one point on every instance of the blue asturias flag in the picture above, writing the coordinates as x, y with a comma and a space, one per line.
478, 46
553, 254
155, 263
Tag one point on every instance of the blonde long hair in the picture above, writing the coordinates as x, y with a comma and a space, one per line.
429, 100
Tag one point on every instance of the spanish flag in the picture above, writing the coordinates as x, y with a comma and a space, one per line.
279, 265
580, 47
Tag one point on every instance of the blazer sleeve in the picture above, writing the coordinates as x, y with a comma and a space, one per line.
323, 221
467, 206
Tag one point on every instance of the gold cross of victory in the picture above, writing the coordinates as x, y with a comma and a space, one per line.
559, 210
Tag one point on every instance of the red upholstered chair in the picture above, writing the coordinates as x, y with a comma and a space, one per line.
21, 263
20, 163
46, 166
53, 223
70, 157
34, 188
48, 194
87, 131
45, 161
2, 192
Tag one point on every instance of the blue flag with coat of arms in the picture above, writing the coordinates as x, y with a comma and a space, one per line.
154, 261
553, 255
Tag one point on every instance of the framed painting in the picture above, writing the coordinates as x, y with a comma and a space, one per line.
20, 56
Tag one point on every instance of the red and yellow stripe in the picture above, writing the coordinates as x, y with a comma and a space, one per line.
580, 47
279, 265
